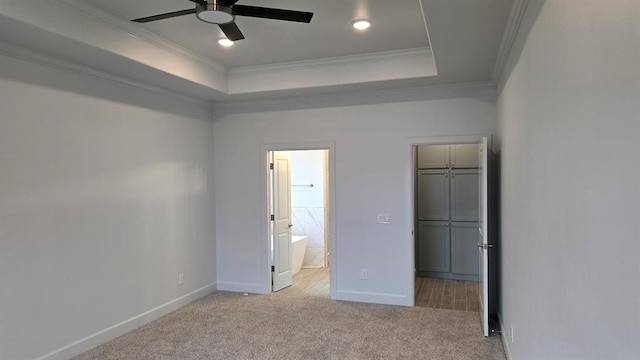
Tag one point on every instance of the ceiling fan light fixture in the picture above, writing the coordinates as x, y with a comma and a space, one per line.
225, 42
214, 13
361, 24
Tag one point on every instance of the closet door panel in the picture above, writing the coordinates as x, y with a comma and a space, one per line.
433, 247
433, 156
464, 252
433, 194
464, 155
464, 195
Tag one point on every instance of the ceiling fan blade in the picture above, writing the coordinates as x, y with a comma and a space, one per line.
271, 13
229, 2
165, 16
199, 1
232, 31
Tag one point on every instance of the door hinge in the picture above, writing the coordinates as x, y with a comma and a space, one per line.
273, 217
273, 268
271, 166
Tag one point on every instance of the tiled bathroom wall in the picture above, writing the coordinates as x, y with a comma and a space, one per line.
307, 202
309, 221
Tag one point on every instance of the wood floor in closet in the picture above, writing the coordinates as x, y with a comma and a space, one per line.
447, 294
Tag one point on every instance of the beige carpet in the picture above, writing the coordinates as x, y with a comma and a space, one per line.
227, 325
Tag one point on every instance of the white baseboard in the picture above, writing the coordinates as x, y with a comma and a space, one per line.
505, 339
110, 333
373, 298
243, 287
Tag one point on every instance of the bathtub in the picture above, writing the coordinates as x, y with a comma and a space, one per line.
298, 248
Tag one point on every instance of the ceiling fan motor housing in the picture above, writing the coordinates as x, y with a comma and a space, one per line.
215, 13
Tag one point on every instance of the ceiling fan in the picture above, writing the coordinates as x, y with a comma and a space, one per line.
223, 13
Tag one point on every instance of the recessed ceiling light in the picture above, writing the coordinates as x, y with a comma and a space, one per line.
361, 24
225, 42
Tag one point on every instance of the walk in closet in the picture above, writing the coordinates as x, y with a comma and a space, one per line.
447, 211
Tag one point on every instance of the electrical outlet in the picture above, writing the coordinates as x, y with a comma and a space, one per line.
511, 333
180, 279
364, 274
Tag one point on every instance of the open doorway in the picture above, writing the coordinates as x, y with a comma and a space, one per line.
299, 237
446, 197
450, 225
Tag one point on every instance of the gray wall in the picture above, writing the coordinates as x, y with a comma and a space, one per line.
105, 197
372, 134
569, 118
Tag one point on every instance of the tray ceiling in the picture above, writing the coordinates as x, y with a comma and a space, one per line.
411, 43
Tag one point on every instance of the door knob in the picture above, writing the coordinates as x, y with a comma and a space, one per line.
487, 246
290, 225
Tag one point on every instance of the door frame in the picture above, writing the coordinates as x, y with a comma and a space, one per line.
412, 143
330, 222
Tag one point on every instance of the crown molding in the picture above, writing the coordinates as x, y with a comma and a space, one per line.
426, 29
343, 71
511, 31
39, 58
98, 15
415, 93
333, 60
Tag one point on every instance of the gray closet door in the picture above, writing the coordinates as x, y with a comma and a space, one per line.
433, 156
464, 252
464, 195
464, 155
433, 246
433, 194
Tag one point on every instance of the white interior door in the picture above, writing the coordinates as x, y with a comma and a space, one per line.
483, 245
282, 275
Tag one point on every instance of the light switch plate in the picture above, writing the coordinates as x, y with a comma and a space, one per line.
383, 219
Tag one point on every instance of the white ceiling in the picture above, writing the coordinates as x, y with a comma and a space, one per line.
411, 43
398, 25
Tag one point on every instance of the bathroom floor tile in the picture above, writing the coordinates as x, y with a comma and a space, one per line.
309, 282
